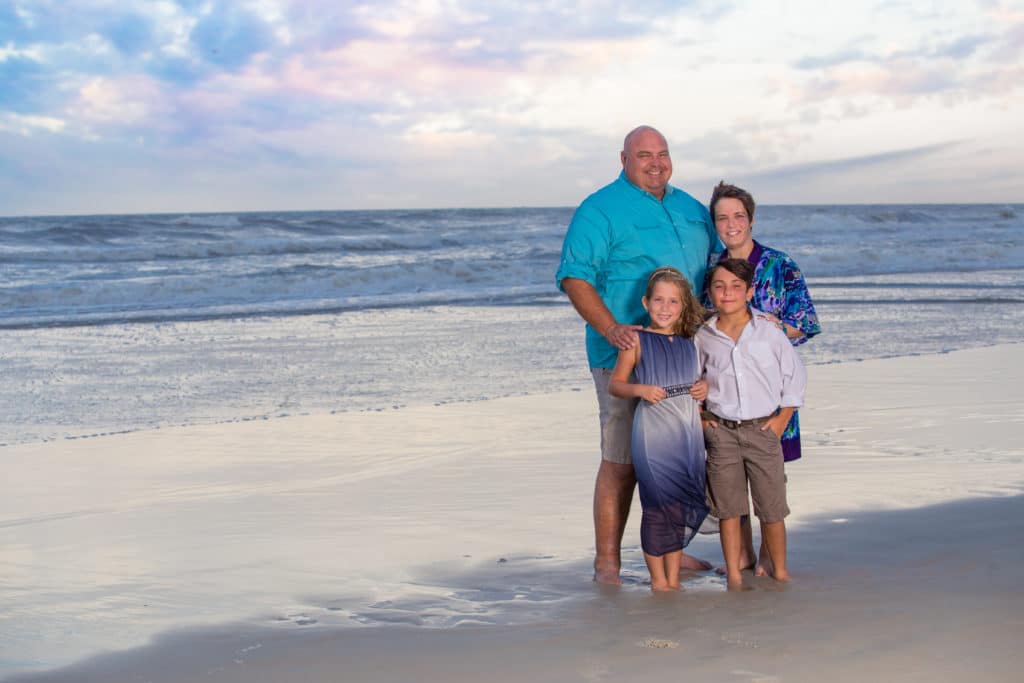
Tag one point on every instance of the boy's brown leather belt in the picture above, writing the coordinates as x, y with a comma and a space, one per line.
734, 424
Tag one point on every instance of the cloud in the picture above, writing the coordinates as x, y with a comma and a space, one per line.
10, 23
103, 102
832, 166
325, 27
177, 70
940, 60
963, 47
833, 59
130, 33
230, 36
52, 22
26, 85
26, 125
960, 48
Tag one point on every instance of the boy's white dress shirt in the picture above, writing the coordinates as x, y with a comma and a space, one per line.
752, 377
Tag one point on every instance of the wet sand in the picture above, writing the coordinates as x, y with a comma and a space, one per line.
452, 543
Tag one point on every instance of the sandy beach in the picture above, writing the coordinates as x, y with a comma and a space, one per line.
453, 543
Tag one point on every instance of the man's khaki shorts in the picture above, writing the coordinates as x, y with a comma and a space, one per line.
616, 420
738, 455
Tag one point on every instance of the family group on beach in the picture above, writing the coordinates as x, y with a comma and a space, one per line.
702, 402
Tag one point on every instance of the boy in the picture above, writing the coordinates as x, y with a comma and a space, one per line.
755, 381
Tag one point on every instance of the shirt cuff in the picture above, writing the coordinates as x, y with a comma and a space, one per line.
576, 271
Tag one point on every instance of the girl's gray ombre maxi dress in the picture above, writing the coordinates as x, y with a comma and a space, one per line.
668, 446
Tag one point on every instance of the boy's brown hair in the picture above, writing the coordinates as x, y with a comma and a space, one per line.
739, 267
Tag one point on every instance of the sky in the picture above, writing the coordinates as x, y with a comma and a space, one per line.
129, 106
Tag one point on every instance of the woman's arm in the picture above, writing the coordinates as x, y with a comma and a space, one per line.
799, 319
782, 295
791, 332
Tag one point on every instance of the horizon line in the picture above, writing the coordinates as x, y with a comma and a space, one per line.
522, 207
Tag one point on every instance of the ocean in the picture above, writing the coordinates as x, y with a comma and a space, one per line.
126, 322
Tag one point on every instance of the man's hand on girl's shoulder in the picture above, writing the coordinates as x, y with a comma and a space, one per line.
621, 336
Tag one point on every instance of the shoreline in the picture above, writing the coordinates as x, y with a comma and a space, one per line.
475, 517
584, 382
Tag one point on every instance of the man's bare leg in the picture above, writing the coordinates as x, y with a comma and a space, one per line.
775, 539
613, 496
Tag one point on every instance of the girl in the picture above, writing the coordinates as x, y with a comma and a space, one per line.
668, 443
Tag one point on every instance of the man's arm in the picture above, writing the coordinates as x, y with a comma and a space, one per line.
591, 308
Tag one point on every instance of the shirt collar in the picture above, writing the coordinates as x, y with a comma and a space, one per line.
756, 317
753, 258
755, 254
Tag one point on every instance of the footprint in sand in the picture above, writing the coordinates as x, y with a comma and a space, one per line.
658, 643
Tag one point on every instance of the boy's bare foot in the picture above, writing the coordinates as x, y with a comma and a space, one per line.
734, 583
746, 562
693, 563
781, 576
764, 563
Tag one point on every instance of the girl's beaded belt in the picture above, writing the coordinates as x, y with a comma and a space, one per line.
677, 390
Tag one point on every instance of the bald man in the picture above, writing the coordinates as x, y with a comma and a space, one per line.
617, 236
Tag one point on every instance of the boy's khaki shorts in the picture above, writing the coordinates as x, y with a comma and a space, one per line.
738, 455
616, 420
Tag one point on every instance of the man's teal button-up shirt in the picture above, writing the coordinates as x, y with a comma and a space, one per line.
620, 234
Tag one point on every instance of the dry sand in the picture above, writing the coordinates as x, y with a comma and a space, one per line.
325, 548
